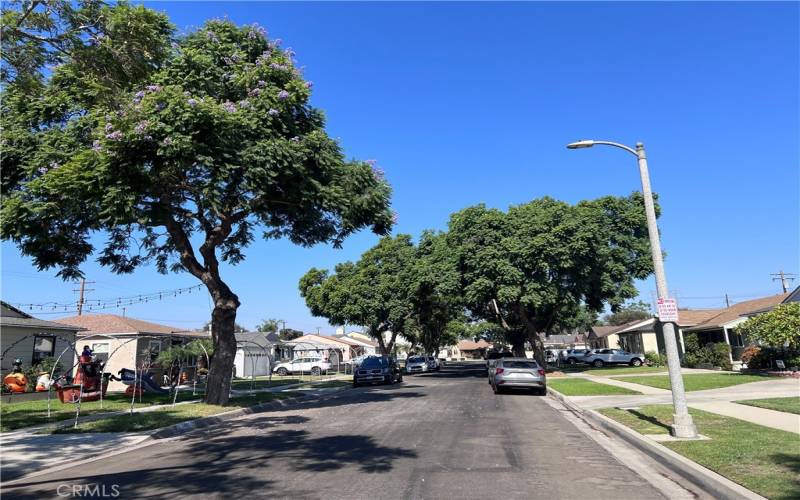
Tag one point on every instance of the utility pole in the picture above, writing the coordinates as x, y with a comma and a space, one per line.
81, 292
727, 301
318, 329
783, 277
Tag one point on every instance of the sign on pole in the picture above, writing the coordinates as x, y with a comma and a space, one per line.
668, 310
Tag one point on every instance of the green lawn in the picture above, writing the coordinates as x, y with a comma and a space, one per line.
581, 387
761, 459
788, 405
697, 381
610, 370
170, 415
31, 413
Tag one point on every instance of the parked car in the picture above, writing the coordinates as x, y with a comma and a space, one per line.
314, 366
600, 357
382, 369
493, 356
520, 373
550, 356
417, 364
356, 362
572, 356
433, 364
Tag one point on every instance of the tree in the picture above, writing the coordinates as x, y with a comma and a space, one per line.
237, 328
289, 334
268, 325
541, 262
779, 327
374, 292
630, 312
179, 165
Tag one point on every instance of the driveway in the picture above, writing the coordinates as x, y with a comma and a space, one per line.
438, 435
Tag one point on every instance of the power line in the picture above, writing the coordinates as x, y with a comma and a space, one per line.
783, 277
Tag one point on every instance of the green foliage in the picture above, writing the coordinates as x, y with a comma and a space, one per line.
655, 359
374, 292
289, 334
185, 354
638, 310
691, 342
779, 327
543, 261
715, 354
268, 326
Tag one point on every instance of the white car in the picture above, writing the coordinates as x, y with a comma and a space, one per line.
315, 366
600, 357
417, 364
433, 364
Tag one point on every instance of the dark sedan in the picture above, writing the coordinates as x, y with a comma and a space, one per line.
377, 369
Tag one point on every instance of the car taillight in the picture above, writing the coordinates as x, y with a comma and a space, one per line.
498, 371
541, 372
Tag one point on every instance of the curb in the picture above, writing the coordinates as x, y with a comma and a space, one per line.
705, 479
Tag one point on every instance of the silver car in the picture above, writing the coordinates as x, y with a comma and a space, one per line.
600, 357
417, 364
518, 373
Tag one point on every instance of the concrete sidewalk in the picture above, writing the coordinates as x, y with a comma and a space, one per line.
788, 422
772, 388
644, 389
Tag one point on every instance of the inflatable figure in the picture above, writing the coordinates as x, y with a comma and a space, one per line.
43, 382
87, 374
16, 381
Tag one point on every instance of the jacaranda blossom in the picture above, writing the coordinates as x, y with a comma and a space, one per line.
273, 112
282, 95
229, 106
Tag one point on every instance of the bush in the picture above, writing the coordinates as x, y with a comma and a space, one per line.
765, 357
655, 359
45, 365
749, 353
714, 354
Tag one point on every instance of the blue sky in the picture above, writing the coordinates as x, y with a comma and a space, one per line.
463, 103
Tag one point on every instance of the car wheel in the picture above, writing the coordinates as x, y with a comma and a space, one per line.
400, 378
542, 391
598, 363
636, 362
355, 384
571, 361
495, 389
387, 380
315, 371
282, 371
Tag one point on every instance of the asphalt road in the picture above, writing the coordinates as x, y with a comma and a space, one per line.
442, 435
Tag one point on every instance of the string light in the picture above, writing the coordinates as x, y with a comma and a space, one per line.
117, 302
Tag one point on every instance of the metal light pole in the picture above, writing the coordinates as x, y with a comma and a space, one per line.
683, 425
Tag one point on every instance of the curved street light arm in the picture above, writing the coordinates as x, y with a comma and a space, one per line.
618, 145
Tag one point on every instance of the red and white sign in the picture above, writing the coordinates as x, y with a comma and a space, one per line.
668, 310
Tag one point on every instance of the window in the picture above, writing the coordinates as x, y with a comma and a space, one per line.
44, 346
154, 348
735, 338
100, 351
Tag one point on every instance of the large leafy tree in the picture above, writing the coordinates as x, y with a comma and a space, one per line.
375, 292
777, 328
181, 157
629, 312
538, 264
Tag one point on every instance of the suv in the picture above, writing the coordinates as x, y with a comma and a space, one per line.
600, 357
314, 366
492, 357
381, 369
572, 356
519, 373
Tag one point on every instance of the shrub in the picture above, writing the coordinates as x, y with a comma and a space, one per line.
714, 354
45, 365
655, 359
749, 353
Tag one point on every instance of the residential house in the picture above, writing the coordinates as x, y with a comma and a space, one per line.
124, 342
367, 345
31, 340
721, 327
335, 350
605, 336
566, 341
469, 349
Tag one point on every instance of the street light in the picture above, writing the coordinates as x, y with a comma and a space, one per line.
683, 426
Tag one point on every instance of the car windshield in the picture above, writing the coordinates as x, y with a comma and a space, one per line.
374, 362
531, 365
415, 359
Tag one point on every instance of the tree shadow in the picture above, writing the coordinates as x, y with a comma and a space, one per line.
648, 418
233, 463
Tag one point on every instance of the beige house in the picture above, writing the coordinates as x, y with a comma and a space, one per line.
127, 342
31, 339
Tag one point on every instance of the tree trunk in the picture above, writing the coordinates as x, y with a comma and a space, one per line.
517, 340
223, 320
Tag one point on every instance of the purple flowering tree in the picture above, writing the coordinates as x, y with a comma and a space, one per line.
218, 145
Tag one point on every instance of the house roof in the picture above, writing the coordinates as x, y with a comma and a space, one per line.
793, 296
114, 324
736, 311
468, 345
250, 338
565, 339
11, 316
600, 331
357, 340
